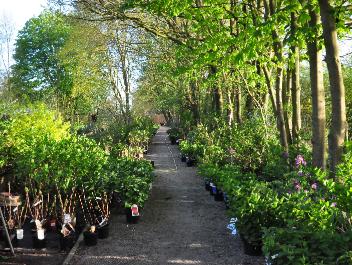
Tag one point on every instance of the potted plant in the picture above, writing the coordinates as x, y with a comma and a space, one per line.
218, 196
213, 189
68, 219
38, 220
90, 236
104, 215
207, 184
20, 216
190, 161
132, 214
174, 134
183, 157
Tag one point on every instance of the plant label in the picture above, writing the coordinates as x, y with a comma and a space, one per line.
67, 218
37, 203
53, 223
134, 210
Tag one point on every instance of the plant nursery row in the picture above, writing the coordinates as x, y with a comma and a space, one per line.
58, 182
280, 205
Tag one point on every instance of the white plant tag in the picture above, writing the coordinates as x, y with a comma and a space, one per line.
102, 222
37, 203
67, 218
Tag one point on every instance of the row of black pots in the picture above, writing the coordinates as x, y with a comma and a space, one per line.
214, 191
249, 249
217, 193
66, 242
222, 196
190, 162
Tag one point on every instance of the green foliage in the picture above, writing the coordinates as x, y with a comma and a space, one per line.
296, 246
131, 178
174, 134
38, 68
47, 157
26, 128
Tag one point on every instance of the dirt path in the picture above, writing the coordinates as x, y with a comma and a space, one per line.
181, 223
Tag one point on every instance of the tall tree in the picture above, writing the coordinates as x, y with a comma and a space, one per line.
338, 124
318, 93
37, 66
295, 87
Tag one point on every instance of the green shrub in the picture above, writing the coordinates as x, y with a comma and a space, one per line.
131, 178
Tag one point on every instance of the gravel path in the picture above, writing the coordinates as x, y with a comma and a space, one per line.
180, 224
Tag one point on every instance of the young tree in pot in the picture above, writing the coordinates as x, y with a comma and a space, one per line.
20, 216
134, 195
103, 215
68, 219
90, 235
131, 178
39, 237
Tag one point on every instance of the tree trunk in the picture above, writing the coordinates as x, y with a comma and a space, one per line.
216, 95
249, 106
285, 100
295, 86
338, 123
271, 91
278, 49
193, 102
230, 106
238, 108
279, 111
318, 96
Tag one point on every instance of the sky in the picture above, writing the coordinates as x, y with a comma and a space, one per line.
17, 13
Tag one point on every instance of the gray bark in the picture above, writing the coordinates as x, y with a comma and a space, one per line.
338, 124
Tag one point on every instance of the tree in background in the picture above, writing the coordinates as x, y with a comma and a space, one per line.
6, 35
38, 72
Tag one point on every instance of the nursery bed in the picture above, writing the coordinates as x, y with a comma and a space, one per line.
180, 223
27, 254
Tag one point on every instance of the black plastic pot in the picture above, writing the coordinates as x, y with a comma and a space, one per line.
172, 140
190, 162
226, 200
52, 225
212, 189
38, 243
67, 242
207, 185
251, 250
183, 158
129, 218
218, 196
103, 231
152, 162
79, 228
90, 239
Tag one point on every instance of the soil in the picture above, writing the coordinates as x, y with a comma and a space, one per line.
180, 223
